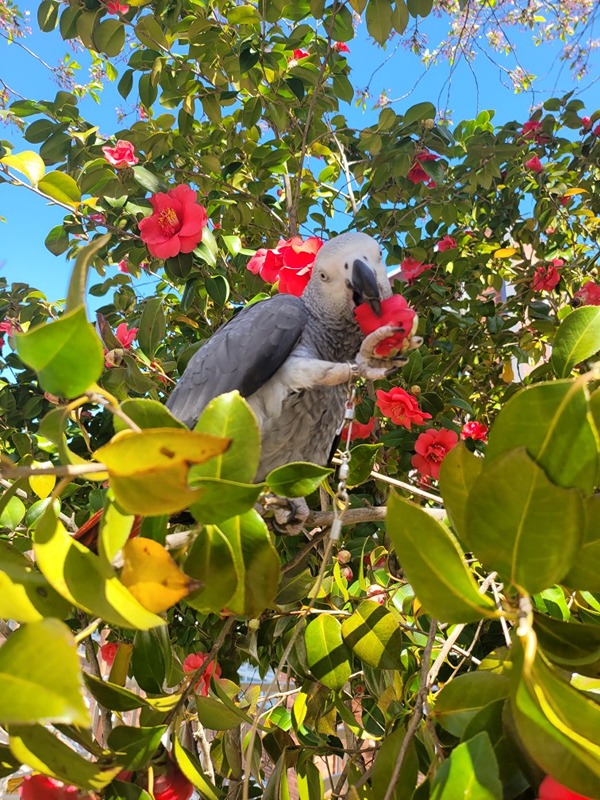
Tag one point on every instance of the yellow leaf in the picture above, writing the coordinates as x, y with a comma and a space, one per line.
507, 373
505, 252
571, 192
28, 163
152, 576
42, 485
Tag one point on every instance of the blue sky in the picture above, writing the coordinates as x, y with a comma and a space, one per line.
465, 91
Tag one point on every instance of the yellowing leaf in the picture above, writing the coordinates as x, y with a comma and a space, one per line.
42, 485
571, 192
152, 576
505, 252
149, 470
507, 374
28, 163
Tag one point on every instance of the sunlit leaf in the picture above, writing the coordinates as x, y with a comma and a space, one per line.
296, 480
211, 555
373, 634
61, 187
328, 656
27, 163
577, 339
25, 595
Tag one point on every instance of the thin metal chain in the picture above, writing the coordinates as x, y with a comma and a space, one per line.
341, 499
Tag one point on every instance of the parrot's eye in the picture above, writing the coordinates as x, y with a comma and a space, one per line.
323, 276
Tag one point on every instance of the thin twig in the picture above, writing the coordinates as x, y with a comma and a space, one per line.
61, 471
116, 410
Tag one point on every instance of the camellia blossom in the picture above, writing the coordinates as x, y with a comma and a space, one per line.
416, 173
474, 430
431, 448
108, 652
360, 430
176, 224
8, 327
586, 123
376, 593
446, 243
125, 335
289, 264
588, 295
411, 269
172, 784
193, 662
532, 130
40, 787
394, 311
296, 56
114, 7
341, 47
401, 407
545, 279
551, 789
120, 156
535, 165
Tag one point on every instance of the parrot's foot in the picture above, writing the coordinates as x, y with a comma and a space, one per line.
289, 515
374, 367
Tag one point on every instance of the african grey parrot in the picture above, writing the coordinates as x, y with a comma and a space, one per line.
290, 356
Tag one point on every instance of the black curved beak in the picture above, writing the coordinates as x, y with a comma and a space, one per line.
364, 286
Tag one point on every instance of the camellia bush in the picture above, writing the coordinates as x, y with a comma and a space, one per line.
449, 644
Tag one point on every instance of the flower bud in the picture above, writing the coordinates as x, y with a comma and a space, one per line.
344, 556
429, 124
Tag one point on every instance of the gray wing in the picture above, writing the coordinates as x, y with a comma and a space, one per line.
241, 355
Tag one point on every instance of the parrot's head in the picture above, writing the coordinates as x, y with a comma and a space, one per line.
348, 271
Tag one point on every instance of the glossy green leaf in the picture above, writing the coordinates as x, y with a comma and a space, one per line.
215, 715
459, 469
148, 662
39, 676
41, 750
109, 37
362, 462
112, 696
12, 513
521, 524
47, 15
400, 16
115, 527
146, 414
434, 565
379, 19
373, 634
61, 187
329, 659
309, 779
211, 555
150, 33
551, 420
223, 499
218, 289
471, 772
192, 769
385, 762
570, 643
296, 480
230, 416
464, 696
84, 579
25, 595
57, 241
77, 285
66, 354
584, 574
27, 163
577, 339
418, 113
152, 328
133, 746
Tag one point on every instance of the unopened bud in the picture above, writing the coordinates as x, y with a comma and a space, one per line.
344, 556
347, 573
429, 124
416, 390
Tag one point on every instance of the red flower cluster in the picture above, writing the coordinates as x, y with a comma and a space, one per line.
401, 407
411, 269
588, 295
289, 264
360, 430
474, 430
545, 278
553, 790
341, 47
40, 787
535, 165
416, 173
123, 154
532, 130
172, 785
108, 652
176, 224
193, 662
114, 7
394, 311
431, 448
446, 243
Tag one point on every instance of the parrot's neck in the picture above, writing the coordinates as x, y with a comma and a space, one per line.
335, 338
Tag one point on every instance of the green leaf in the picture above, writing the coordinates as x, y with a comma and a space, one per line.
329, 659
148, 662
47, 15
146, 414
230, 416
134, 747
218, 289
471, 772
296, 480
12, 513
521, 524
584, 574
119, 790
40, 679
115, 528
577, 339
25, 595
464, 696
84, 579
57, 241
147, 180
210, 555
192, 769
77, 284
42, 751
373, 634
112, 696
384, 764
67, 354
61, 187
571, 643
362, 462
459, 469
551, 420
27, 163
379, 20
418, 113
433, 562
109, 37
221, 500
125, 84
153, 326
215, 715
150, 33
400, 16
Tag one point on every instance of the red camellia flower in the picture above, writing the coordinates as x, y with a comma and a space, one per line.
296, 56
588, 295
267, 264
376, 593
532, 130
360, 430
7, 327
40, 787
596, 130
545, 278
411, 269
535, 165
172, 785
122, 155
114, 7
108, 652
474, 430
394, 311
431, 448
290, 263
416, 173
341, 47
553, 790
125, 335
193, 662
586, 123
176, 224
401, 407
447, 243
